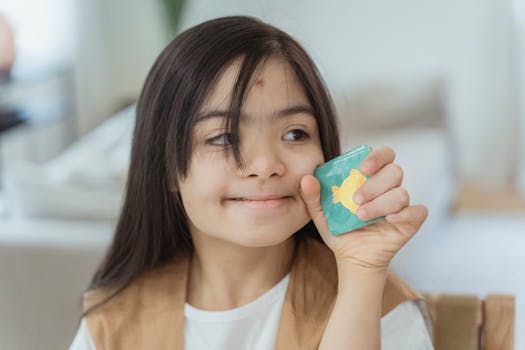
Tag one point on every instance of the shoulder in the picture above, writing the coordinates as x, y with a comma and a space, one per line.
156, 295
82, 340
156, 280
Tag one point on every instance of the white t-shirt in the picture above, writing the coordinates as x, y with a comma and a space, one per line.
254, 326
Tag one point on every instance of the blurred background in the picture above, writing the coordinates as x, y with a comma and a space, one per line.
442, 82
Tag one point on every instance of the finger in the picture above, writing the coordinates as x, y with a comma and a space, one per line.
409, 220
390, 202
311, 195
389, 177
378, 158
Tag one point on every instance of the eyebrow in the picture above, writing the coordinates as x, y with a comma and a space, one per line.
299, 109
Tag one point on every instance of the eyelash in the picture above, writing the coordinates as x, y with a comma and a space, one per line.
212, 141
304, 134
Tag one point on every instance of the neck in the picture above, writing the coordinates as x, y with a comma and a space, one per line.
223, 276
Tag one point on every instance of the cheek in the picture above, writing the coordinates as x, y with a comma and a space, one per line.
304, 165
205, 183
201, 196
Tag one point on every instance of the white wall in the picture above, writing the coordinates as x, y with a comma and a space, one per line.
117, 43
357, 41
519, 57
43, 38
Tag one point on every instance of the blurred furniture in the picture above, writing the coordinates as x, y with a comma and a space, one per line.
84, 182
39, 97
30, 94
45, 266
36, 118
466, 322
10, 118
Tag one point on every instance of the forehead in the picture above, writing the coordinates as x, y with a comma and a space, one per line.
274, 81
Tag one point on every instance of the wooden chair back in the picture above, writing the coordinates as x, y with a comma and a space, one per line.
467, 322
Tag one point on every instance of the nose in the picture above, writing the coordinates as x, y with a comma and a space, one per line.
263, 161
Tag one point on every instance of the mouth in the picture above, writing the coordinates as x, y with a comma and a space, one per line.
268, 201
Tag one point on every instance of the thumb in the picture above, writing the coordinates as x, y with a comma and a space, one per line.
311, 195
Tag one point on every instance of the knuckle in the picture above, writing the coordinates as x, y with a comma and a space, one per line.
367, 211
362, 192
318, 210
400, 203
314, 206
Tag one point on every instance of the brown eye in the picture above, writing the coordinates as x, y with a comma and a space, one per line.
296, 135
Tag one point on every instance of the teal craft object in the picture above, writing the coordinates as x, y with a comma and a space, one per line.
340, 178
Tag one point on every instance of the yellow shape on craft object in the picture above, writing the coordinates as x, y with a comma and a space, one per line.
345, 193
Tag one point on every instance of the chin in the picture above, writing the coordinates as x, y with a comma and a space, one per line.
268, 236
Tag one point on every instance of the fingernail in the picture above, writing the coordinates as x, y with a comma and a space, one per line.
367, 165
358, 198
361, 214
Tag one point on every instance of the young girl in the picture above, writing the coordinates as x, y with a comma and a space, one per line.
222, 242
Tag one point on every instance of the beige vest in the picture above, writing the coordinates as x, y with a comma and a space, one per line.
149, 313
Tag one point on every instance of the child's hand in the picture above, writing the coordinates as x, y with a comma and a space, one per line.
372, 246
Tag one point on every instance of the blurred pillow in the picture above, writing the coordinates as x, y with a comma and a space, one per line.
393, 104
85, 182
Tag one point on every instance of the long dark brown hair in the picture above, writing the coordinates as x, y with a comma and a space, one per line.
152, 227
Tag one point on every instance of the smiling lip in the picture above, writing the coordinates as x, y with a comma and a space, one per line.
262, 202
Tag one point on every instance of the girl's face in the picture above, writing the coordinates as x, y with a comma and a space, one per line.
279, 142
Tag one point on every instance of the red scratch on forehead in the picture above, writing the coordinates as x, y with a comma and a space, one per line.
259, 82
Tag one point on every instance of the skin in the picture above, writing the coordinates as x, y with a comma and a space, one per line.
7, 47
241, 221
